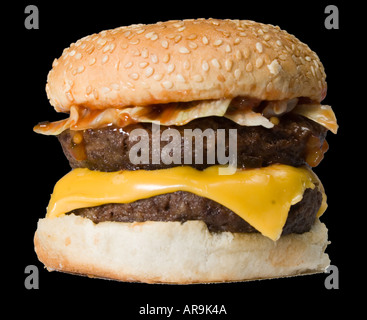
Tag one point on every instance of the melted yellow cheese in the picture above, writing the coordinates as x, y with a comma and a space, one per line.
262, 196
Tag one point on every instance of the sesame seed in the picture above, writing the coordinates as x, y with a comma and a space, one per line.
136, 52
249, 67
90, 49
259, 62
205, 40
259, 47
167, 84
218, 42
308, 58
178, 24
145, 53
128, 65
143, 64
238, 54
95, 94
313, 70
101, 42
154, 37
158, 76
149, 71
88, 90
184, 50
92, 61
112, 47
228, 48
149, 34
170, 68
225, 33
192, 36
69, 96
136, 41
68, 86
80, 69
186, 65
237, 73
180, 78
71, 53
215, 63
106, 48
166, 58
228, 64
154, 58
246, 53
237, 41
274, 67
130, 85
193, 45
181, 29
78, 56
117, 65
178, 38
198, 78
205, 66
279, 43
164, 44
104, 59
134, 76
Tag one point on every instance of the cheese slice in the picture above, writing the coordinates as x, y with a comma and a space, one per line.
261, 196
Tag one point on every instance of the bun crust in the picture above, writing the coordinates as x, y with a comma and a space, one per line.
171, 252
184, 61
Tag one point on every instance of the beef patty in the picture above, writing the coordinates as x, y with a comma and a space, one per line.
183, 206
108, 148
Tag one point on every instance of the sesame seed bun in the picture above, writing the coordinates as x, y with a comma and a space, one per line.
184, 61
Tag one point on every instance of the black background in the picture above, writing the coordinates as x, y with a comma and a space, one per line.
40, 162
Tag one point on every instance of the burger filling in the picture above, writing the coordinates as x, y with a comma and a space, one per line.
294, 141
274, 134
183, 206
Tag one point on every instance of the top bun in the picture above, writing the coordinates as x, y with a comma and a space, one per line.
184, 61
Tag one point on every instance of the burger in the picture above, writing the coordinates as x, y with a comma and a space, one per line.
191, 145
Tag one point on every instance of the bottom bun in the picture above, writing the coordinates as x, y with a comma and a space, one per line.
174, 252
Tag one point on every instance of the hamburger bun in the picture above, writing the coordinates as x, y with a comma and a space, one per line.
171, 252
178, 61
